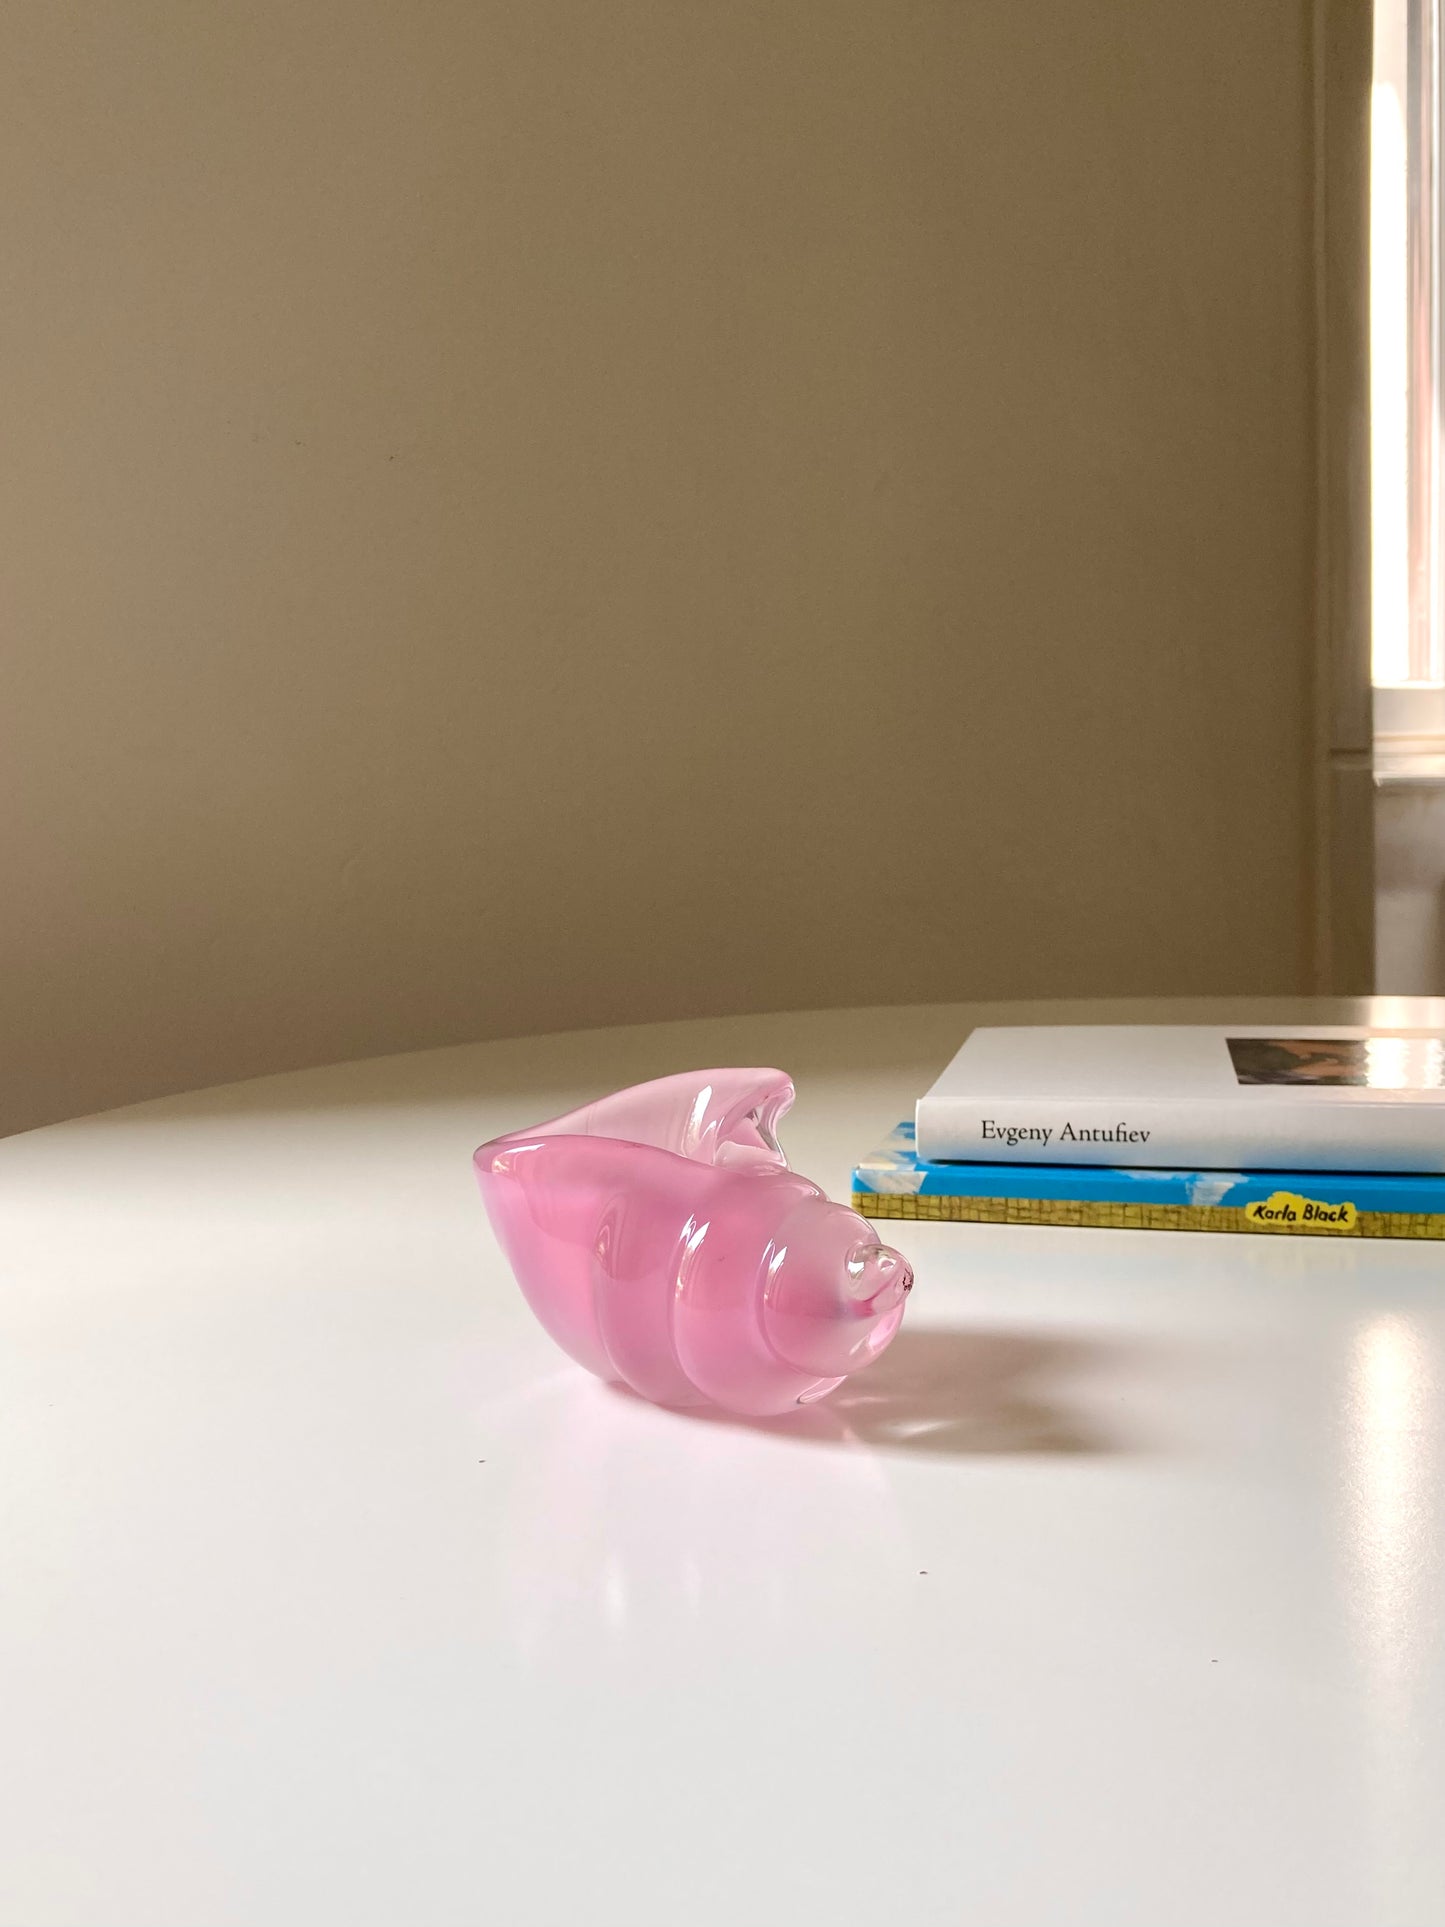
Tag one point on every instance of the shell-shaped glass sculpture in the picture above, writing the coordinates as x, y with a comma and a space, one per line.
660, 1237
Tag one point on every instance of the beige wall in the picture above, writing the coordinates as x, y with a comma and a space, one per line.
522, 513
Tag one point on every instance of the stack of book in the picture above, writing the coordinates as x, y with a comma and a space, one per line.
1327, 1131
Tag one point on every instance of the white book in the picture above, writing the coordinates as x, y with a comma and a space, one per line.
1300, 1097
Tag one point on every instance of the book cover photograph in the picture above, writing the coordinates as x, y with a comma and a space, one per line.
1382, 1063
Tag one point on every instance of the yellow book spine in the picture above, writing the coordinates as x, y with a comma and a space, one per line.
1076, 1214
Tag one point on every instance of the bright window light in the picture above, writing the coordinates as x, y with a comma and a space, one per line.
1389, 386
1408, 634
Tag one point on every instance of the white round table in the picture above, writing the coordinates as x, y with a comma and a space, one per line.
331, 1593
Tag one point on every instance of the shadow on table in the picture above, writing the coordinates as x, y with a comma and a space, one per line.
973, 1393
964, 1394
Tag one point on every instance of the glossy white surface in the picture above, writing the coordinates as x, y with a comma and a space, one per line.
329, 1592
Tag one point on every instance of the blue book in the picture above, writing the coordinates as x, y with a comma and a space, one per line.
896, 1183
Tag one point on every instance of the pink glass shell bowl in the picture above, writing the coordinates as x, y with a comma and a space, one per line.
660, 1237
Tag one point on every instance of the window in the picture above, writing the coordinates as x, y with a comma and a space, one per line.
1407, 486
